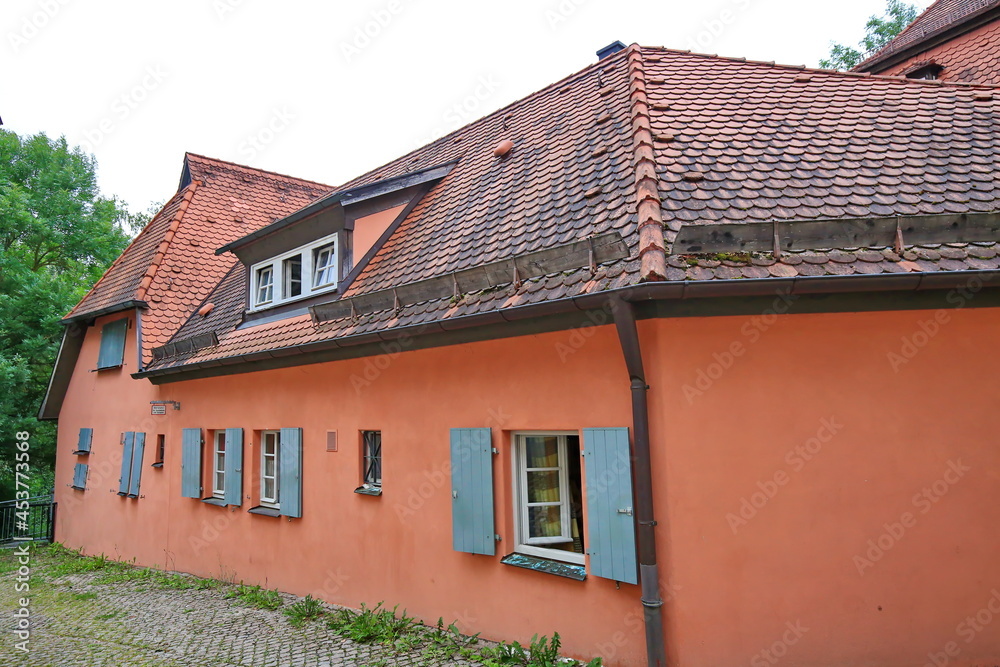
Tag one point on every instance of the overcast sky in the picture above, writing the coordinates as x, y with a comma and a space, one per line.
329, 90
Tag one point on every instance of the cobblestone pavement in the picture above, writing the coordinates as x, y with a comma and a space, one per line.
78, 620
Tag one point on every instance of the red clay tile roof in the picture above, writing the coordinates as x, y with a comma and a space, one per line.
172, 264
937, 19
971, 58
731, 141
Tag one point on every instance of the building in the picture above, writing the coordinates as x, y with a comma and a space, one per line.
681, 352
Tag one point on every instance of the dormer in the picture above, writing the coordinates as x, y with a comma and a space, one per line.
312, 255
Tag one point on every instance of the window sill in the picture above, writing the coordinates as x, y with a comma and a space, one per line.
568, 570
158, 464
265, 511
81, 452
106, 368
218, 502
79, 488
368, 490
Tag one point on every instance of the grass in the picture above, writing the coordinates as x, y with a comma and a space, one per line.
255, 596
306, 609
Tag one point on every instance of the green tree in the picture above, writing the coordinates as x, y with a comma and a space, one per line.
57, 236
879, 31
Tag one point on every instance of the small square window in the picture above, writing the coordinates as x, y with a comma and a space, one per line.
549, 496
265, 285
324, 266
219, 465
291, 270
371, 462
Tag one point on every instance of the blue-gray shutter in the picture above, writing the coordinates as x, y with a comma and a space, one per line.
234, 466
123, 481
191, 463
83, 443
290, 472
80, 476
611, 533
472, 491
137, 451
112, 351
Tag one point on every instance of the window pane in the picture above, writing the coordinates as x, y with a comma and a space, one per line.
323, 266
269, 466
543, 487
265, 282
268, 489
543, 451
545, 521
292, 271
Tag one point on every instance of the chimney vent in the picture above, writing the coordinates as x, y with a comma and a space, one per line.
610, 50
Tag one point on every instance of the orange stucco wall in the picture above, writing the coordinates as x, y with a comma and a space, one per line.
369, 229
830, 440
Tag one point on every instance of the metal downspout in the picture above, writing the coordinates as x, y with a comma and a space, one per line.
649, 578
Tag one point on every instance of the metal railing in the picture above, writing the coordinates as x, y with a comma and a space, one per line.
31, 519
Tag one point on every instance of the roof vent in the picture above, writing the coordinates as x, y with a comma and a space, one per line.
610, 50
504, 147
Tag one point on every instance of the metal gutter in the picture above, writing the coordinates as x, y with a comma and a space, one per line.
642, 475
667, 291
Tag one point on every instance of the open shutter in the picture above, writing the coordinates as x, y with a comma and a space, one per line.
610, 515
83, 443
472, 491
123, 481
290, 472
234, 466
112, 351
191, 463
80, 476
137, 451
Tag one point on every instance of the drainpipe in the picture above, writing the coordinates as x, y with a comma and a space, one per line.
649, 577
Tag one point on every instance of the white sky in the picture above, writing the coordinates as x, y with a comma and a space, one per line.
297, 87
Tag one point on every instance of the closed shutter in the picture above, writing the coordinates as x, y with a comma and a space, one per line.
234, 466
191, 463
137, 451
290, 472
472, 491
610, 514
80, 476
123, 481
112, 351
83, 442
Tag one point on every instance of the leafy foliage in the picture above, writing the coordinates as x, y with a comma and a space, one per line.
57, 236
255, 596
879, 31
306, 609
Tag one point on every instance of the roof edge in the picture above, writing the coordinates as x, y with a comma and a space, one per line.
168, 237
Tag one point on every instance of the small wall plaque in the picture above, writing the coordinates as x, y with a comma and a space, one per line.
158, 410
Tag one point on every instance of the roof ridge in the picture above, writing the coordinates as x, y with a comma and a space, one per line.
652, 250
831, 72
228, 163
168, 236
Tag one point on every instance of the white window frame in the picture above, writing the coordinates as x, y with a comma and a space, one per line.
278, 279
330, 267
266, 501
535, 546
219, 465
257, 285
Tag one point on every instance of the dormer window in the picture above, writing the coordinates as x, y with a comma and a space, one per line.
304, 272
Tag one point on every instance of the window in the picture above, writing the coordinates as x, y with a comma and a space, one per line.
219, 465
269, 443
300, 273
112, 352
161, 446
548, 511
371, 463
927, 72
323, 266
265, 285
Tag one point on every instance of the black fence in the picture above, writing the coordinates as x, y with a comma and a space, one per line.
32, 519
